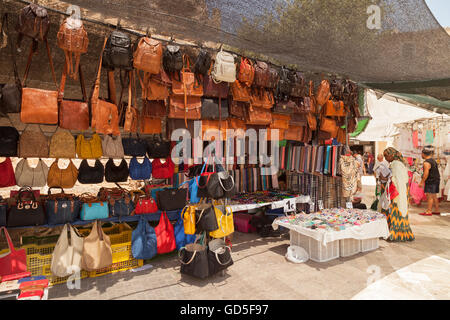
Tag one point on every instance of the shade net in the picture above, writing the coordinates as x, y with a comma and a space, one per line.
321, 37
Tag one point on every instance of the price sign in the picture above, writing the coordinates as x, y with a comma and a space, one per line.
290, 205
349, 205
320, 203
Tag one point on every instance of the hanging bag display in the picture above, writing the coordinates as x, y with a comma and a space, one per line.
112, 147
171, 199
89, 148
115, 173
14, 263
26, 213
66, 257
62, 208
63, 178
33, 177
163, 170
219, 256
140, 171
92, 208
143, 241
91, 175
165, 236
224, 217
33, 144
9, 140
224, 67
134, 147
97, 253
7, 177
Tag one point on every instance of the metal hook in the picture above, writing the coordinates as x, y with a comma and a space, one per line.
118, 23
147, 32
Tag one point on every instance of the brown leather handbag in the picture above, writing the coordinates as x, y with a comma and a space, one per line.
38, 105
261, 74
154, 87
298, 120
262, 98
240, 92
334, 109
62, 145
148, 55
323, 93
150, 119
294, 133
185, 108
258, 116
187, 84
215, 90
105, 115
280, 121
329, 125
246, 72
237, 109
312, 121
33, 144
62, 178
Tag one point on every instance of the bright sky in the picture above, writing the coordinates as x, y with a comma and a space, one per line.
441, 10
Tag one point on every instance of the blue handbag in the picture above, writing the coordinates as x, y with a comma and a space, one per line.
62, 208
143, 241
94, 210
181, 238
140, 171
121, 208
193, 188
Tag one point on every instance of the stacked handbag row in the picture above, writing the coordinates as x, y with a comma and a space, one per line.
28, 207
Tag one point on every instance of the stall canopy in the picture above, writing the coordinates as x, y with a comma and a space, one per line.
370, 41
386, 113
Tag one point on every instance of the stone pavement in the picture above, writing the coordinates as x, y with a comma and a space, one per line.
260, 270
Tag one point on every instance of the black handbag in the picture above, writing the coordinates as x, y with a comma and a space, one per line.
205, 219
118, 52
91, 175
203, 63
172, 59
3, 211
158, 149
226, 181
134, 147
219, 256
9, 140
115, 173
26, 213
194, 260
214, 109
171, 199
62, 208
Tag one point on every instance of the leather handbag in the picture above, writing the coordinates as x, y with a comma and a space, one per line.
33, 23
66, 257
155, 86
280, 121
62, 145
312, 121
214, 109
144, 241
154, 108
188, 109
148, 55
63, 178
7, 178
262, 98
323, 93
294, 133
9, 140
105, 115
329, 125
237, 125
205, 218
150, 124
298, 84
181, 238
33, 177
178, 125
246, 72
224, 217
119, 201
202, 63
165, 236
284, 107
237, 109
97, 252
140, 171
194, 260
240, 92
92, 208
157, 148
62, 208
33, 144
212, 89
334, 109
145, 205
163, 170
172, 59
89, 148
171, 199
118, 52
187, 84
261, 74
219, 256
134, 147
13, 263
115, 173
224, 67
26, 213
258, 116
91, 175
112, 147
341, 137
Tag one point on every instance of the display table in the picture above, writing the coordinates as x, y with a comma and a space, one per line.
273, 205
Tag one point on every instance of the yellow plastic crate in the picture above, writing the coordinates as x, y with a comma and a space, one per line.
117, 267
58, 280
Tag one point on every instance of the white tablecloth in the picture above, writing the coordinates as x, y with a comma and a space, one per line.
374, 229
274, 205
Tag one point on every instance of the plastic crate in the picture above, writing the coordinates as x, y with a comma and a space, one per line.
370, 244
117, 267
349, 247
58, 280
317, 251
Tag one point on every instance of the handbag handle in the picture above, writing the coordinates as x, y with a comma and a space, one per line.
218, 260
221, 184
190, 261
8, 239
49, 190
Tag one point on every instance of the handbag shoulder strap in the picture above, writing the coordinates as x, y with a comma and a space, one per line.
33, 50
96, 92
63, 84
13, 49
8, 239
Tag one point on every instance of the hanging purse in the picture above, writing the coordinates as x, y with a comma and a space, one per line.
298, 120
205, 218
91, 175
294, 133
280, 121
212, 89
334, 109
329, 125
298, 84
145, 205
26, 213
163, 170
258, 116
312, 121
97, 252
9, 140
240, 92
33, 144
89, 148
134, 147
171, 199
115, 173
92, 208
14, 263
246, 72
188, 216
140, 171
33, 177
112, 147
219, 256
150, 119
165, 236
261, 74
66, 257
284, 107
62, 208
7, 178
194, 260
63, 178
157, 148
144, 241
181, 238
62, 145
154, 108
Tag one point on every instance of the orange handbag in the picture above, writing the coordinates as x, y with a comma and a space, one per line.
323, 93
330, 126
181, 108
240, 92
246, 72
294, 133
312, 121
334, 109
280, 121
215, 125
258, 116
188, 84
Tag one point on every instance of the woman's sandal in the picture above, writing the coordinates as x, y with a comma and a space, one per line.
426, 214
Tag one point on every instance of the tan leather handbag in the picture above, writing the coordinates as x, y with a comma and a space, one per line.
323, 93
97, 252
280, 121
112, 147
334, 109
240, 92
89, 149
330, 126
66, 257
62, 145
258, 116
33, 177
62, 178
33, 144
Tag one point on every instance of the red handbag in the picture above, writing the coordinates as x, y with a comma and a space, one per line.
162, 170
7, 178
14, 263
393, 192
146, 205
165, 236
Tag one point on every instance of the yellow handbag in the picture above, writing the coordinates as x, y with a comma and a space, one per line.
89, 149
188, 215
224, 216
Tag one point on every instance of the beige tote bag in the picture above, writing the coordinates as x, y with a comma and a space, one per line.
112, 147
66, 259
97, 253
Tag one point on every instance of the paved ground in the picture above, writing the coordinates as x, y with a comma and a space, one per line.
260, 271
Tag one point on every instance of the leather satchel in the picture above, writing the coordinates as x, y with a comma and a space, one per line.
258, 116
246, 72
298, 120
329, 125
9, 140
148, 55
181, 108
91, 175
214, 109
150, 125
323, 93
97, 252
155, 87
62, 145
33, 177
240, 92
214, 90
62, 178
187, 84
154, 108
237, 109
89, 149
334, 109
112, 147
33, 144
26, 213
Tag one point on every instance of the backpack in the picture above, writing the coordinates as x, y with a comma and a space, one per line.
284, 84
172, 59
224, 68
203, 63
118, 52
33, 23
148, 55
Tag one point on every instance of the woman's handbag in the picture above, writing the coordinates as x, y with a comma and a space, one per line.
240, 92
26, 213
9, 140
66, 257
145, 205
13, 263
194, 260
237, 109
165, 236
334, 109
97, 253
258, 116
62, 145
246, 72
143, 241
134, 147
33, 177
62, 208
115, 173
33, 144
329, 125
205, 218
140, 171
224, 217
91, 175
212, 89
93, 209
163, 170
7, 178
219, 256
63, 178
188, 216
157, 148
119, 202
171, 199
89, 148
182, 238
112, 147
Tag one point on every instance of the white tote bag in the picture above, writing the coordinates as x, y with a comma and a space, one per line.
66, 258
224, 68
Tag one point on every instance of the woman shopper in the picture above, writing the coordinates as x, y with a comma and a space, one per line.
430, 181
397, 215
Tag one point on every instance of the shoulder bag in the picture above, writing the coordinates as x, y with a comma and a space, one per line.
284, 107
63, 178
118, 52
97, 252
66, 257
62, 145
261, 74
258, 116
134, 147
194, 260
112, 147
7, 178
9, 140
26, 213
171, 199
280, 121
205, 219
33, 177
240, 92
13, 263
334, 109
224, 67
62, 208
237, 109
140, 171
150, 118
145, 204
165, 236
202, 63
119, 201
92, 208
91, 175
163, 170
115, 173
329, 125
157, 148
89, 148
181, 238
172, 59
188, 216
144, 241
33, 144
